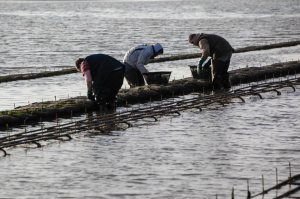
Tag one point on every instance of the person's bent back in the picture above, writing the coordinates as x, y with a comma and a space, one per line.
136, 59
103, 75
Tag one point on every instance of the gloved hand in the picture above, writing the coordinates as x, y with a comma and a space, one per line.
207, 65
90, 95
199, 68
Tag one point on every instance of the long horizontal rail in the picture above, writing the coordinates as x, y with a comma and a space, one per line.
169, 107
71, 69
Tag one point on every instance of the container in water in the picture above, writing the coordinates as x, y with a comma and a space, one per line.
206, 73
161, 77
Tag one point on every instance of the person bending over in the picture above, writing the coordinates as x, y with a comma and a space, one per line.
136, 59
104, 76
220, 51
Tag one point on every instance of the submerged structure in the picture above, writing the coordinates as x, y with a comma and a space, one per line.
166, 107
80, 104
162, 89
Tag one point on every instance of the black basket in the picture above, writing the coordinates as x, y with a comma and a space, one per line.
161, 77
206, 73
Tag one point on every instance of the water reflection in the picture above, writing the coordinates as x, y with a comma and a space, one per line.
197, 154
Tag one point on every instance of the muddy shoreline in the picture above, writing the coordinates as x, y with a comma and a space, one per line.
66, 107
72, 69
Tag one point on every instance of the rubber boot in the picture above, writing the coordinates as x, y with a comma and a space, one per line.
217, 82
110, 105
101, 104
216, 68
226, 81
225, 75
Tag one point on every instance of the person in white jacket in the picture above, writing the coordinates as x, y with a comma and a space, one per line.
136, 59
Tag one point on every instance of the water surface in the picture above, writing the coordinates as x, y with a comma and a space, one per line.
195, 155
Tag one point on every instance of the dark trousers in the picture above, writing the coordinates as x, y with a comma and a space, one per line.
220, 75
112, 85
134, 78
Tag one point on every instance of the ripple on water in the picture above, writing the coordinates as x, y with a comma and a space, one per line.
195, 154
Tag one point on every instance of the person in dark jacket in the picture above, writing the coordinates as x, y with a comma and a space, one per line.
103, 76
220, 51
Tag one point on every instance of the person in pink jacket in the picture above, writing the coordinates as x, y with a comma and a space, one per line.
104, 76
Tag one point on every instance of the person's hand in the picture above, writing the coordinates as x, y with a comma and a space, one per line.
199, 68
90, 95
207, 65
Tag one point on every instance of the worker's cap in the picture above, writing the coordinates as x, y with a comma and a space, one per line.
158, 47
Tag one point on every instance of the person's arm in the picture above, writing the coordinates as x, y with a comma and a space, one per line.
204, 46
85, 70
89, 85
88, 79
143, 59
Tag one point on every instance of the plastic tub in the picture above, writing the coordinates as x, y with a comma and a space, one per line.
161, 77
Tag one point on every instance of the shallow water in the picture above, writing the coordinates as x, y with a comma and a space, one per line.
45, 34
195, 155
187, 156
19, 93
